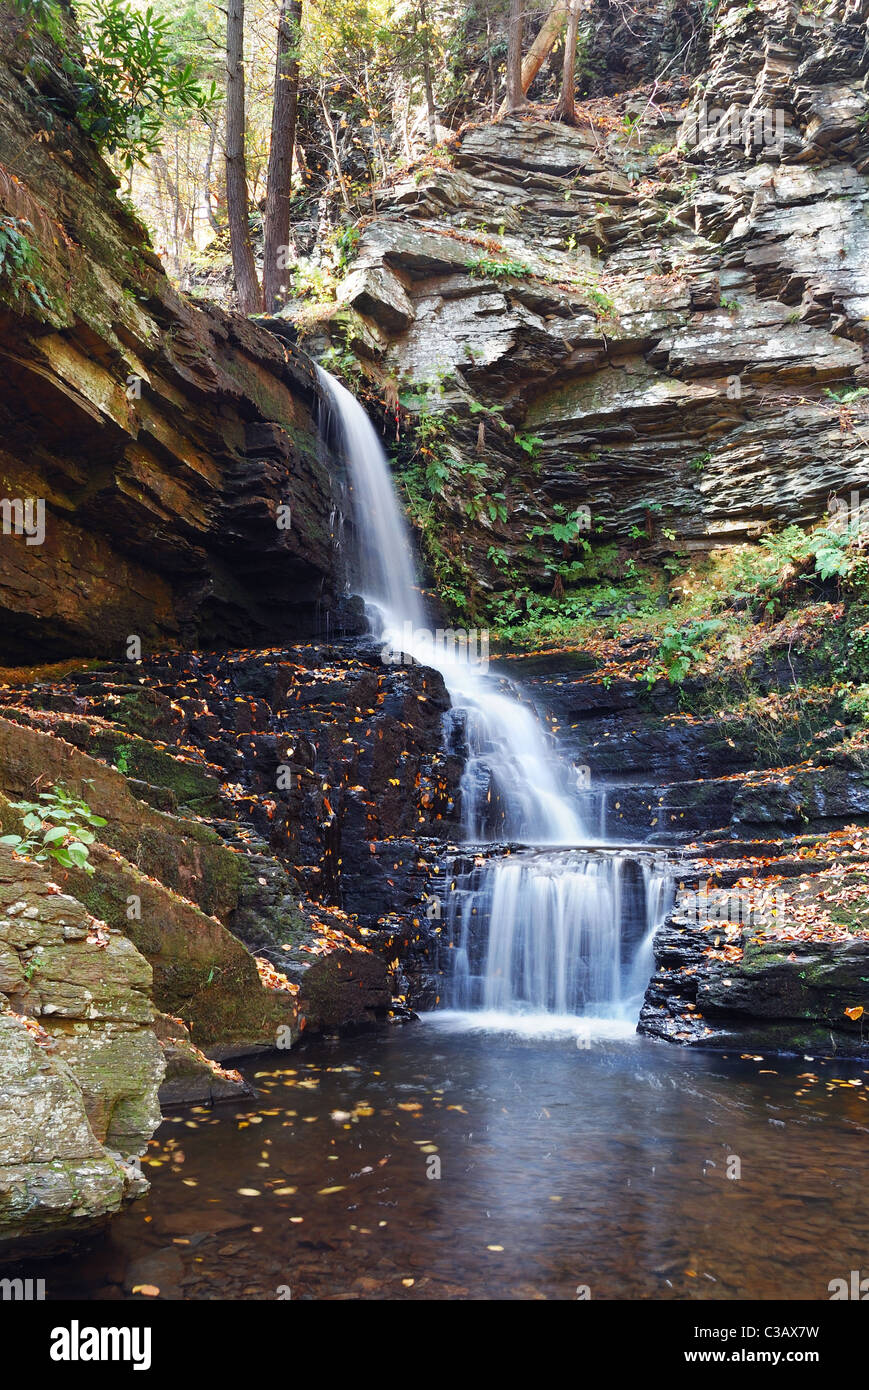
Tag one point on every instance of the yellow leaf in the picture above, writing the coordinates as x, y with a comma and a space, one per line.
855, 1013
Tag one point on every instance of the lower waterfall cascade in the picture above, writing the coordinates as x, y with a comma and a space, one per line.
555, 932
563, 926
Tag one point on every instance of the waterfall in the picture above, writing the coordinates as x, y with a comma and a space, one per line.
554, 931
512, 781
383, 561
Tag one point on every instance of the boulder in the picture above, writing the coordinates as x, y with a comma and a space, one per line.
80, 1065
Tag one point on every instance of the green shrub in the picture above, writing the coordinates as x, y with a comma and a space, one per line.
58, 826
488, 269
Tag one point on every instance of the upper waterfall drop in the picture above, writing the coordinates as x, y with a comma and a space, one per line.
384, 551
512, 782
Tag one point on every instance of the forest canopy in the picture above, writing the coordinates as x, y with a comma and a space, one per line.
229, 125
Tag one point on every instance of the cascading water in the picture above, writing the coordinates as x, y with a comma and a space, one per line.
509, 764
541, 932
556, 932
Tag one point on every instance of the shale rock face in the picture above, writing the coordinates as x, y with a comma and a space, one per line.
182, 879
80, 1066
662, 313
792, 997
162, 439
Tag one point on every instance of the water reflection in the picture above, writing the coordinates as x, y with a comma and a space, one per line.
562, 1162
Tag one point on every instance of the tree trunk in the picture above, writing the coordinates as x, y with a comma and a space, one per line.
515, 96
336, 154
540, 49
492, 83
244, 269
405, 122
206, 179
566, 109
376, 140
276, 275
170, 219
176, 206
430, 110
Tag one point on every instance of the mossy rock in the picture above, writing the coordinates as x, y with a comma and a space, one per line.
202, 973
139, 759
814, 982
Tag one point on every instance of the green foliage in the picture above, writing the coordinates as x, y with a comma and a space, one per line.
835, 551
603, 305
58, 826
131, 79
524, 618
317, 277
21, 267
831, 551
347, 244
487, 269
431, 431
680, 648
563, 530
341, 362
46, 15
856, 702
529, 443
122, 758
314, 281
847, 395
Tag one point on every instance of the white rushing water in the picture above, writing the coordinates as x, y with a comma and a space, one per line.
561, 933
550, 926
510, 761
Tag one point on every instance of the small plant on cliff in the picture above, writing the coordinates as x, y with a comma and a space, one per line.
20, 266
602, 304
488, 269
529, 443
59, 826
847, 395
680, 649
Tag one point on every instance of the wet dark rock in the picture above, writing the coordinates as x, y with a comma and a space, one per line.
783, 995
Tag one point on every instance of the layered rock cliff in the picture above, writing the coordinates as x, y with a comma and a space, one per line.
643, 316
80, 1063
172, 446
